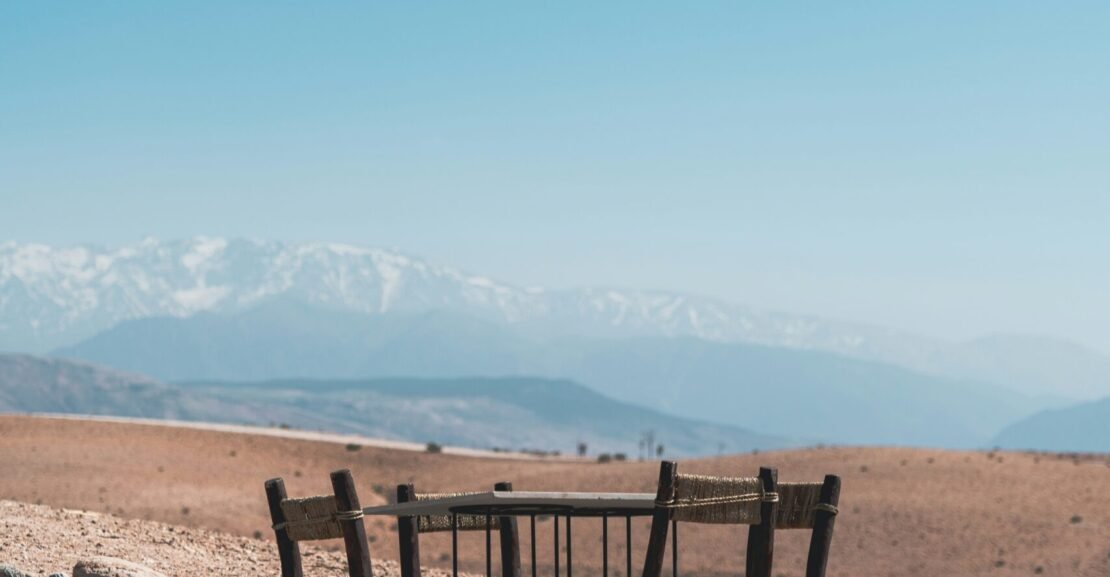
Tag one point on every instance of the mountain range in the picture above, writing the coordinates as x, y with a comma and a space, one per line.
773, 390
219, 310
54, 297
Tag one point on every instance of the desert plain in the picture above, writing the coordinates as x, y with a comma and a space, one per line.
183, 499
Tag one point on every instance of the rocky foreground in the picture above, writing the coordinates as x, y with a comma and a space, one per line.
39, 540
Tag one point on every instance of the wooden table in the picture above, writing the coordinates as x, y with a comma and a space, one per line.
530, 504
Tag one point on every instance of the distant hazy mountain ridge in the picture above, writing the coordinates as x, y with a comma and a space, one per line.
516, 413
53, 298
1084, 428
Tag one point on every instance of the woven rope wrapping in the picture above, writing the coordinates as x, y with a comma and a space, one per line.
311, 518
432, 523
798, 505
702, 499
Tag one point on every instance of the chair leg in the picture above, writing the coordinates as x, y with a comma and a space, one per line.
510, 539
354, 531
408, 534
288, 550
761, 537
821, 539
657, 541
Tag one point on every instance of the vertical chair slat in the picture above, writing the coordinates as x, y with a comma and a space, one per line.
407, 534
628, 545
761, 537
489, 547
821, 538
454, 545
657, 541
288, 550
510, 539
354, 531
557, 553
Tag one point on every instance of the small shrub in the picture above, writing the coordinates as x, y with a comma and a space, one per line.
620, 457
1076, 519
352, 447
604, 458
257, 534
433, 447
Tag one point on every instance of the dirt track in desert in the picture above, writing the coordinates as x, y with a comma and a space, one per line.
904, 511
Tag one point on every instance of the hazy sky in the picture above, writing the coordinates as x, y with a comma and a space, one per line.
943, 168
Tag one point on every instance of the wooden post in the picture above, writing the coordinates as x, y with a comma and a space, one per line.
510, 539
288, 550
821, 539
354, 532
761, 537
661, 517
409, 536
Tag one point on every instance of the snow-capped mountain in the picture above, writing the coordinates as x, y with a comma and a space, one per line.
51, 296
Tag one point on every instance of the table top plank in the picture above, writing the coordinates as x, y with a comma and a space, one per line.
505, 502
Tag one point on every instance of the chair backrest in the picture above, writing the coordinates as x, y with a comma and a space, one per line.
318, 518
410, 528
760, 502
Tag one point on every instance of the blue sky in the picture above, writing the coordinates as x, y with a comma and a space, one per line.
943, 168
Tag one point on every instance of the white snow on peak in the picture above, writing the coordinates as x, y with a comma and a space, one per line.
56, 295
203, 250
200, 298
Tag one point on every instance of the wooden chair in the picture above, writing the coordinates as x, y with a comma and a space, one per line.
410, 528
318, 518
760, 502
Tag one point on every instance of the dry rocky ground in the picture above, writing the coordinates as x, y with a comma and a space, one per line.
42, 540
904, 511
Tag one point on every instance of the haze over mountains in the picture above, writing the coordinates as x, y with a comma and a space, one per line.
217, 309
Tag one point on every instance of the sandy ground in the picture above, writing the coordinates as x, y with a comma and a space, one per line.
904, 511
295, 434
